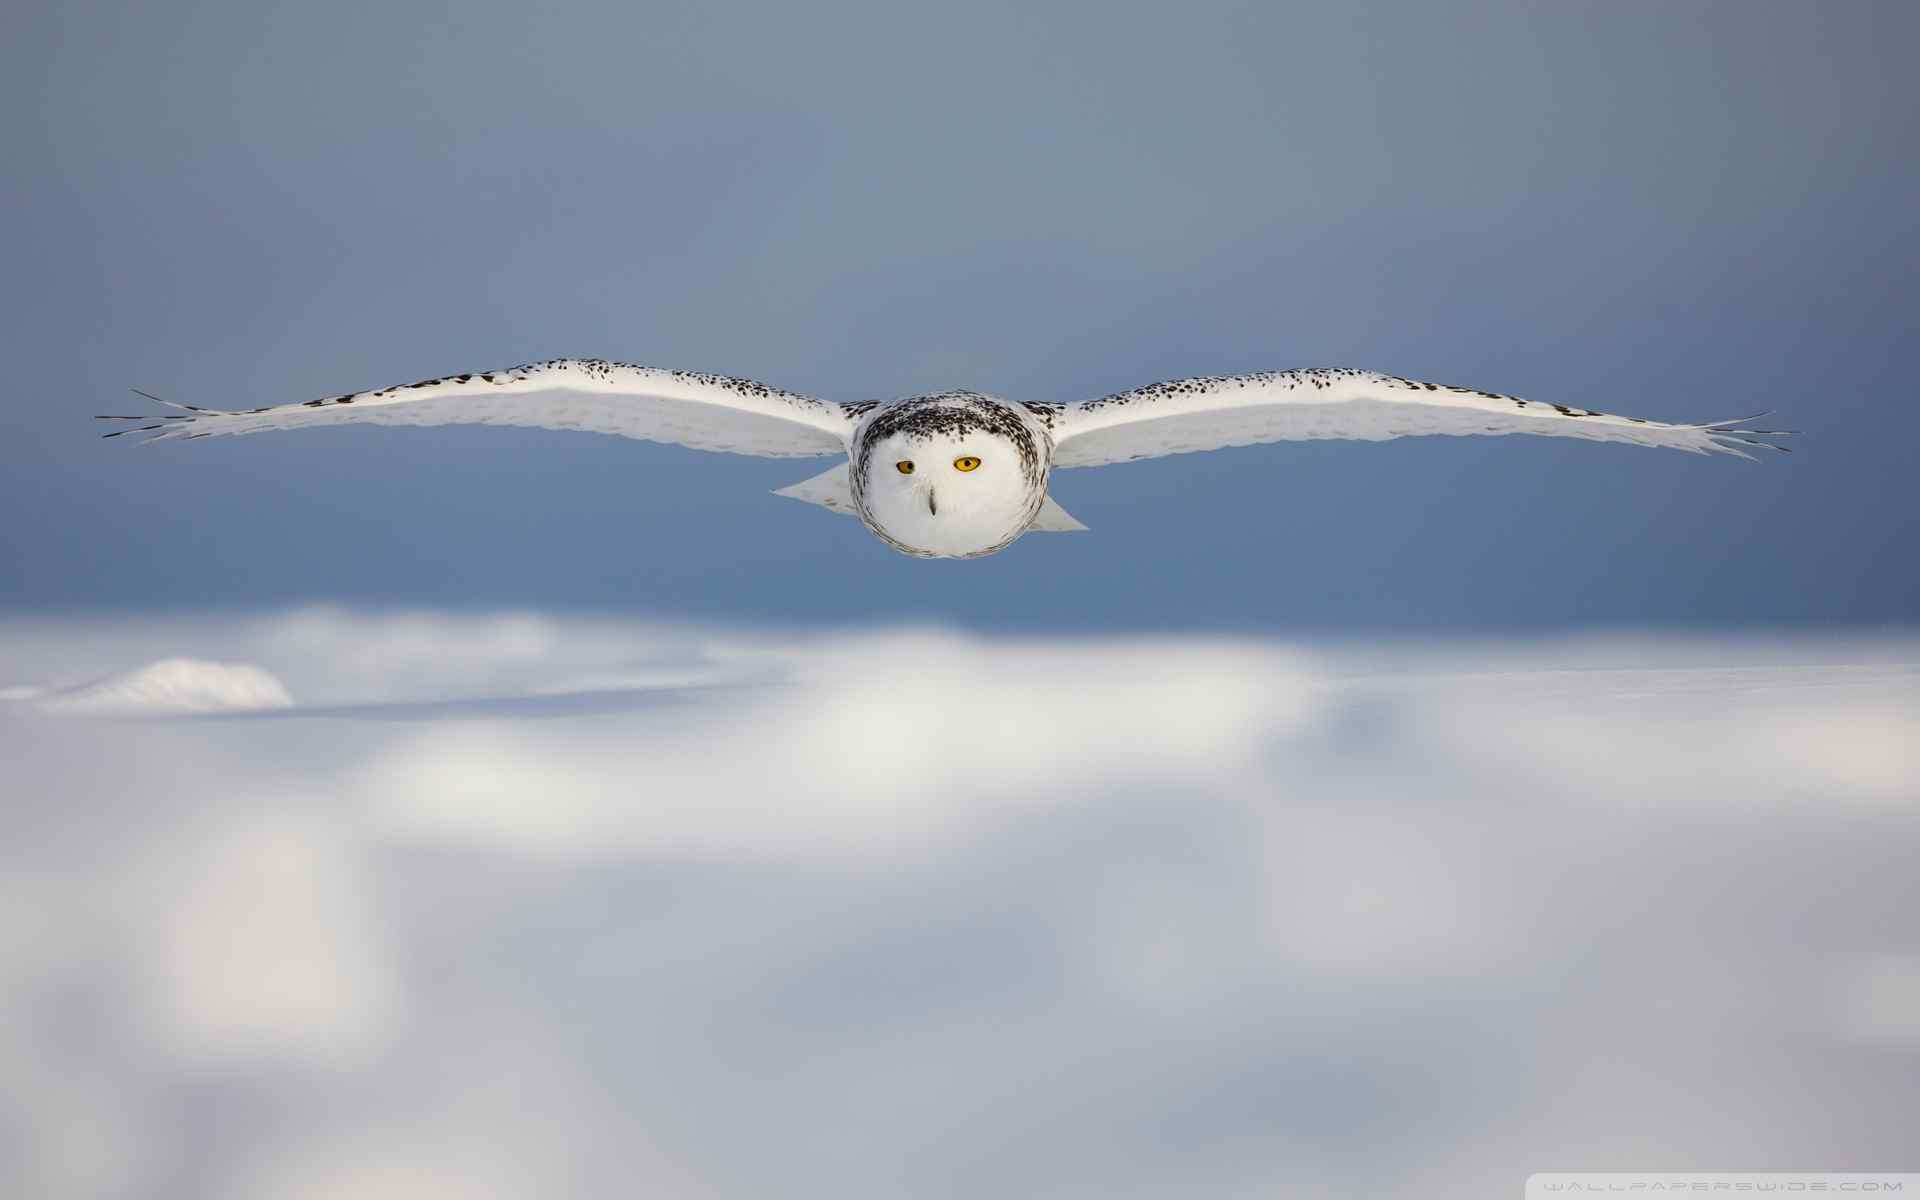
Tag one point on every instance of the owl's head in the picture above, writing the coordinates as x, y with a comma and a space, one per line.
956, 475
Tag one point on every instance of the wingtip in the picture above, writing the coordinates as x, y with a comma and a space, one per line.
168, 403
1738, 424
1730, 444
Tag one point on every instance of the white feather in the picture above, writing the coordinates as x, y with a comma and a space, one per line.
1211, 412
706, 412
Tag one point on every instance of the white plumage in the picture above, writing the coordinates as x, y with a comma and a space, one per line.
905, 456
1296, 406
706, 412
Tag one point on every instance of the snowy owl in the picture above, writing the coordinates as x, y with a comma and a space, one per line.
954, 474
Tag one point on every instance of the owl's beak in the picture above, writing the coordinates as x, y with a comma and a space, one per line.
933, 506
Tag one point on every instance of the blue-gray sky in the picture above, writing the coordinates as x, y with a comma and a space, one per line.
1682, 212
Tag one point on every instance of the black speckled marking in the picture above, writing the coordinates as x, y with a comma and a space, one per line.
956, 414
1319, 379
1347, 384
1048, 413
597, 369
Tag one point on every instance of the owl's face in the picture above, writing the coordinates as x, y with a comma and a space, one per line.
950, 484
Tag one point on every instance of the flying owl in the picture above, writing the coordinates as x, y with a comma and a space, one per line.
953, 474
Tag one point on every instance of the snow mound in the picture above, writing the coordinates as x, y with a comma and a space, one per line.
172, 686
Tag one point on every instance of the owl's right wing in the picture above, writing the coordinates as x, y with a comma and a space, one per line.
1211, 412
706, 412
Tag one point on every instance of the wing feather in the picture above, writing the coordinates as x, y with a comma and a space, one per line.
706, 412
1211, 412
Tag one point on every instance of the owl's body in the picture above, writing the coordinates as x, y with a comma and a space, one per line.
954, 474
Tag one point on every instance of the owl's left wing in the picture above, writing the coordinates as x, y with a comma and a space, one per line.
706, 412
1211, 412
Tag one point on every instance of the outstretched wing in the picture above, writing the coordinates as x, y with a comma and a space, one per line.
1283, 406
707, 412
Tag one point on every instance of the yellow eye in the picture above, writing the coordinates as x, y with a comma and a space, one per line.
965, 463
904, 466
